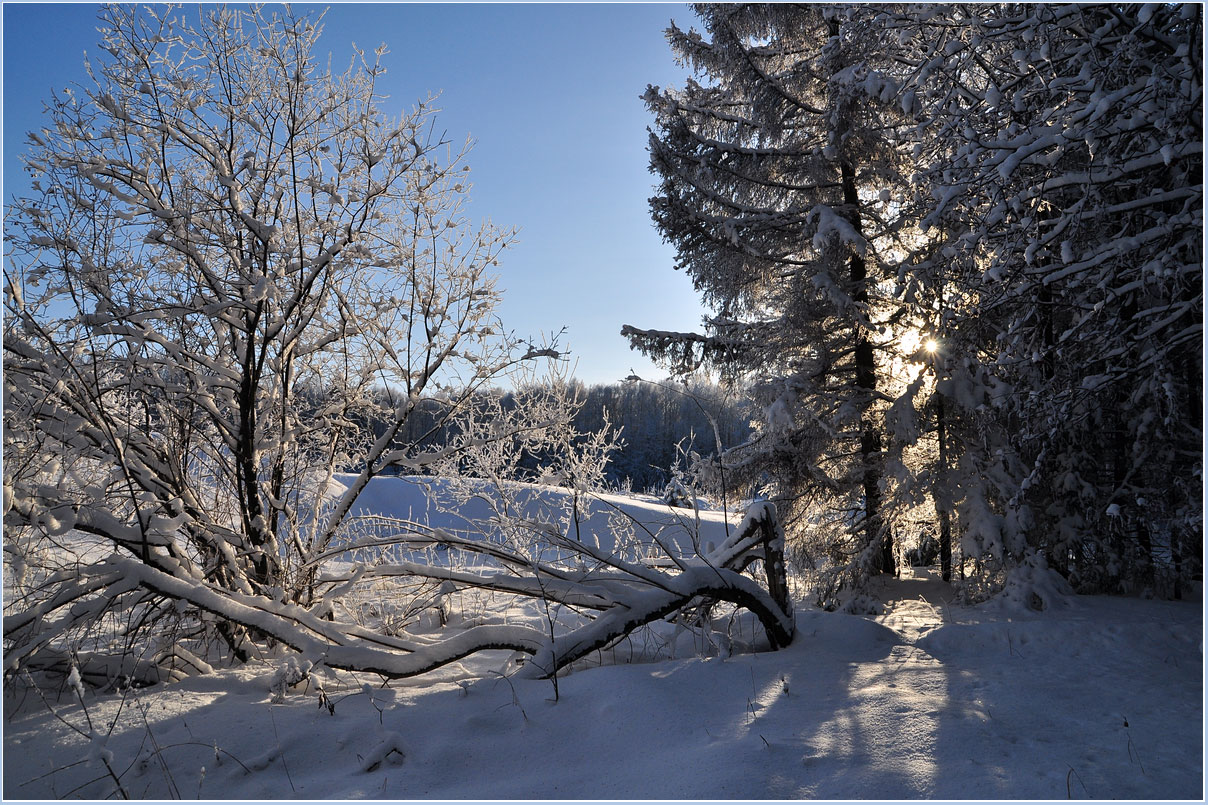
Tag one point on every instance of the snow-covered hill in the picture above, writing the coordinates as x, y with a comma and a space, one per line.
472, 508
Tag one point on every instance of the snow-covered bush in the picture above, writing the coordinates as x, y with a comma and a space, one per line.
676, 494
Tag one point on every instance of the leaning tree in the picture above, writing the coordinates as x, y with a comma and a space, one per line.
228, 253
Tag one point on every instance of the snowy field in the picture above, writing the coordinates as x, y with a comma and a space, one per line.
1096, 698
600, 517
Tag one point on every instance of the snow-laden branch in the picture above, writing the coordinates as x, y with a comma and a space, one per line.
622, 602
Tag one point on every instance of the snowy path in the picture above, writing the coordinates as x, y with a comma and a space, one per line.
968, 703
889, 722
915, 605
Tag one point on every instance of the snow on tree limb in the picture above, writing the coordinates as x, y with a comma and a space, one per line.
622, 602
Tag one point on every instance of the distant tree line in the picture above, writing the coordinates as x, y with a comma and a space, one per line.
662, 424
664, 427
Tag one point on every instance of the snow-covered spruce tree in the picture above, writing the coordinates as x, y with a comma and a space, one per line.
947, 447
1065, 158
777, 176
227, 248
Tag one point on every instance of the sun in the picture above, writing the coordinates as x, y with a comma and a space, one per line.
931, 346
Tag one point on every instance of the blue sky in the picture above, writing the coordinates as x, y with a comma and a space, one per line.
551, 95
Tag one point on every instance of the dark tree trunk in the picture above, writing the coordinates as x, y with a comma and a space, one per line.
866, 384
941, 500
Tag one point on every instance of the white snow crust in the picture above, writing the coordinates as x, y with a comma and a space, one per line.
1093, 698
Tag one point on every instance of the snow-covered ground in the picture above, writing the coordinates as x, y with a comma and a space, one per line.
473, 508
1094, 698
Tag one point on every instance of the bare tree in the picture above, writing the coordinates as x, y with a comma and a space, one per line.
228, 249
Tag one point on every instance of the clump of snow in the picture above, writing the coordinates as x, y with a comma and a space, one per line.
73, 681
290, 671
863, 604
1033, 586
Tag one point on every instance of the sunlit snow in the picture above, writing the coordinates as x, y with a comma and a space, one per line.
1095, 698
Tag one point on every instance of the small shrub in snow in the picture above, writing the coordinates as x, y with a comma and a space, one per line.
388, 750
291, 671
676, 494
1034, 586
863, 604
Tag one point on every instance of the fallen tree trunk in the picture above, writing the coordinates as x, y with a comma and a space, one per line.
622, 595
